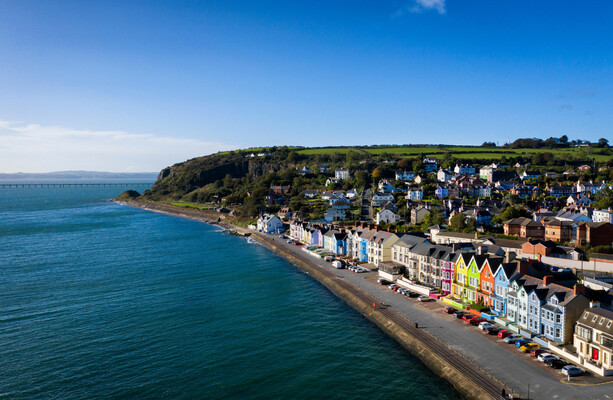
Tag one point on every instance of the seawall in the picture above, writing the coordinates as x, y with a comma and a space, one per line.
460, 374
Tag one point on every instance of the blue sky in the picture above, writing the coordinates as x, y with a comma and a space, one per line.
138, 85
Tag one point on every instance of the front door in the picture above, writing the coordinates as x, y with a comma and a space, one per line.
595, 354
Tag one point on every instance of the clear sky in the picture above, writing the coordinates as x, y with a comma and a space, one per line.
139, 85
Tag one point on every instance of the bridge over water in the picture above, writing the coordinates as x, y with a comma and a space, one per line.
72, 185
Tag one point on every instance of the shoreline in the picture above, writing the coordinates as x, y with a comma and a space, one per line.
439, 358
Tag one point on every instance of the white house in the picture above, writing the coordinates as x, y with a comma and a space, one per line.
270, 224
443, 175
386, 187
341, 174
379, 198
350, 194
603, 216
387, 217
464, 169
415, 194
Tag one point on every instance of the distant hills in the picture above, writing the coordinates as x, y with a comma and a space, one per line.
81, 175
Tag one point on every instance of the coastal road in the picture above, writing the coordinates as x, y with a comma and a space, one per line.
499, 360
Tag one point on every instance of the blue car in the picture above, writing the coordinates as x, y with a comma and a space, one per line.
521, 342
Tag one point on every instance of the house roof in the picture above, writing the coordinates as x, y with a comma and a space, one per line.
409, 241
506, 243
593, 316
601, 256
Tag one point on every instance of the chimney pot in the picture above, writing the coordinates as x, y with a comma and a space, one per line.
548, 279
578, 288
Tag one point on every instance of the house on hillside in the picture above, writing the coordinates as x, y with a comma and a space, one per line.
269, 224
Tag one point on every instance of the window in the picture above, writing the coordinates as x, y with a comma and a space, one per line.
558, 332
601, 321
558, 318
595, 318
609, 324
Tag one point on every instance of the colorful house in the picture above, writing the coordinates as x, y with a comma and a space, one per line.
459, 285
473, 273
502, 279
488, 280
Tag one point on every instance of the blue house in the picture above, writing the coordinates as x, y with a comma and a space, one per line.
502, 279
339, 243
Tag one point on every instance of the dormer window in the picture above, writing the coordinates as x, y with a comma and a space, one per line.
601, 321
609, 324
585, 315
594, 319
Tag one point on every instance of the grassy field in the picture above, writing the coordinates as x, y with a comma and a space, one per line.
459, 151
192, 205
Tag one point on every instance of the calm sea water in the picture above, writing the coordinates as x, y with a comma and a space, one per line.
99, 300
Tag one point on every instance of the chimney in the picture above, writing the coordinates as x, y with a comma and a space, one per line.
522, 267
594, 304
481, 250
510, 256
548, 279
578, 288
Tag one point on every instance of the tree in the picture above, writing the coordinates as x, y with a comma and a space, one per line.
471, 225
377, 173
405, 164
457, 223
434, 218
602, 142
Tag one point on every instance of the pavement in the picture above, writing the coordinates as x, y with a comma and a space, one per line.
527, 377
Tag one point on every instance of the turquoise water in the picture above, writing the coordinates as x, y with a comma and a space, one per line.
99, 300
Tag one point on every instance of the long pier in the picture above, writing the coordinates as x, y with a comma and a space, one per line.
71, 185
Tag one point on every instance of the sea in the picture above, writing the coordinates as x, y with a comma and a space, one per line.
103, 301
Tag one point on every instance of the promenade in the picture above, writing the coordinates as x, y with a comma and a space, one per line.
485, 360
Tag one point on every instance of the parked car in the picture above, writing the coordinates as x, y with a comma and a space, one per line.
476, 321
484, 325
424, 298
383, 281
520, 342
284, 237
571, 370
328, 258
512, 339
459, 314
536, 352
393, 287
413, 294
450, 310
556, 363
547, 356
528, 347
492, 330
468, 317
503, 333
338, 264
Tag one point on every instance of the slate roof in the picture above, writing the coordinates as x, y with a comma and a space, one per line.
599, 313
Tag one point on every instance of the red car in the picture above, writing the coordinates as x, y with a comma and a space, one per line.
503, 333
468, 317
450, 310
476, 320
536, 352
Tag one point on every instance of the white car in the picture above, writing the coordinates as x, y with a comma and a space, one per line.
484, 325
546, 356
423, 297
